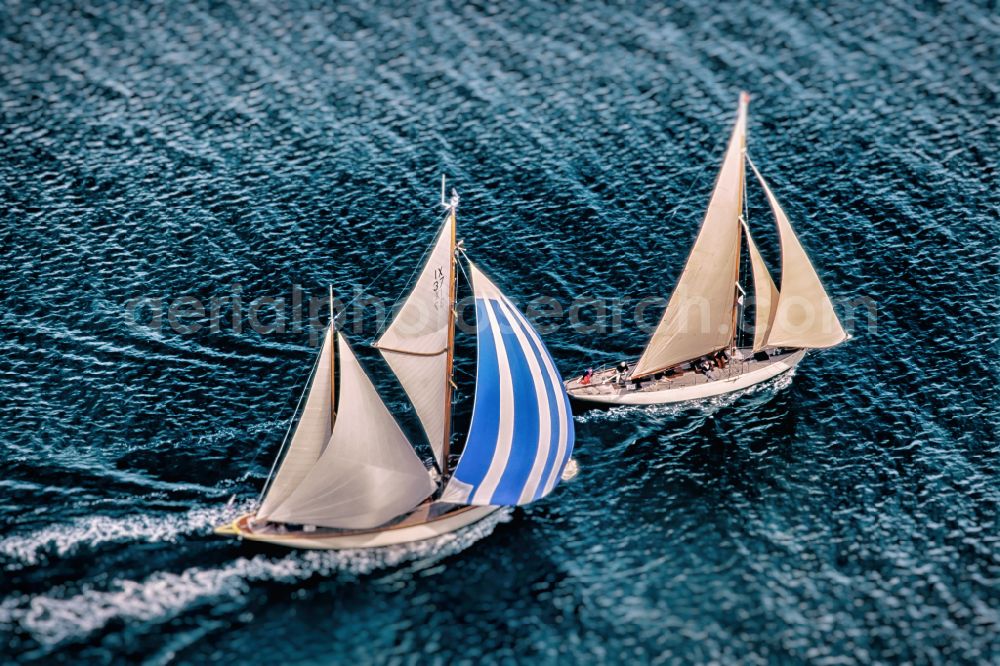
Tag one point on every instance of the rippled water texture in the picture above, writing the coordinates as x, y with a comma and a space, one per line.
166, 149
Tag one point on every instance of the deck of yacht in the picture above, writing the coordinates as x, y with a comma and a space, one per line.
684, 376
425, 512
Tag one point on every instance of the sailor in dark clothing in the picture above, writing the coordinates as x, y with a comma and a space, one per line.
620, 371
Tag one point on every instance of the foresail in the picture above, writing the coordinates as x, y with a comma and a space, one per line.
699, 315
368, 472
415, 345
804, 317
765, 294
311, 433
521, 434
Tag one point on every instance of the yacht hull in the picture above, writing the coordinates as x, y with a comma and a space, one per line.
687, 386
419, 525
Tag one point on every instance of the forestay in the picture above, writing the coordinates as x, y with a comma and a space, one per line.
521, 434
368, 473
699, 316
311, 433
804, 317
415, 345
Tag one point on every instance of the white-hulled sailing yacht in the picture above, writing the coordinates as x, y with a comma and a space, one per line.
693, 352
350, 478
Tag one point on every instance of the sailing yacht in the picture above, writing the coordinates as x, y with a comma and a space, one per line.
695, 351
350, 478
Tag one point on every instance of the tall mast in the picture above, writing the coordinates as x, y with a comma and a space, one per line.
449, 364
333, 353
744, 102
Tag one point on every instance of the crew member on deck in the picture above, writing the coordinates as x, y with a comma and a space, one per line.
620, 372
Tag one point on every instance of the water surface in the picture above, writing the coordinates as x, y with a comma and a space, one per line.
156, 150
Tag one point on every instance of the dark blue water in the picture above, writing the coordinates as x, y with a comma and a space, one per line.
161, 150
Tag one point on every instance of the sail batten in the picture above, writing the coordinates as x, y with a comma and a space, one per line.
699, 316
416, 343
368, 473
521, 433
804, 316
406, 352
311, 432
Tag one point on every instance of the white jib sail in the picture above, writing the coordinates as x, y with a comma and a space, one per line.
311, 433
805, 317
368, 473
699, 316
765, 294
415, 345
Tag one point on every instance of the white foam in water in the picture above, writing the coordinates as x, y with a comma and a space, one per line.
62, 538
52, 620
59, 539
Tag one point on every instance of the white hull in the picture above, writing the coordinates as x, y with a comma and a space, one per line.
416, 527
688, 386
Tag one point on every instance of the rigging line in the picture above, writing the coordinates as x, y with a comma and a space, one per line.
697, 179
461, 250
468, 280
410, 281
684, 197
753, 166
376, 279
291, 423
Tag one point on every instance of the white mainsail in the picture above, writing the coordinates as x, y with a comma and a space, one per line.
415, 345
368, 473
311, 433
699, 316
804, 316
765, 294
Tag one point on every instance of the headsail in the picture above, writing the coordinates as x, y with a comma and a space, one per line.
521, 434
415, 345
311, 433
765, 294
699, 316
368, 473
804, 316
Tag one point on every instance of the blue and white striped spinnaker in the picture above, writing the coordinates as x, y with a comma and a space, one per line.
521, 434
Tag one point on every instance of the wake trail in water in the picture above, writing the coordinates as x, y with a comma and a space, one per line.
52, 620
33, 548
